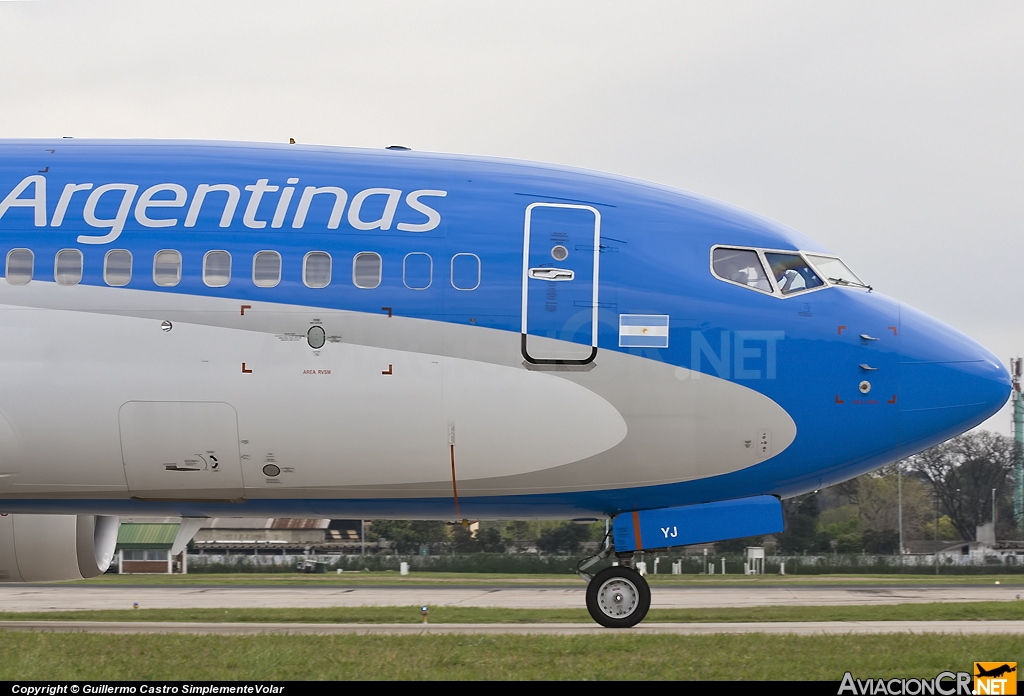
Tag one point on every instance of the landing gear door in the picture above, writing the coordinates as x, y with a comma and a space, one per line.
560, 284
181, 450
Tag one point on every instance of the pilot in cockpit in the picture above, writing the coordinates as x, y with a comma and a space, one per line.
785, 278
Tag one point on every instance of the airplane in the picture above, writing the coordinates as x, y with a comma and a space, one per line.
996, 672
217, 329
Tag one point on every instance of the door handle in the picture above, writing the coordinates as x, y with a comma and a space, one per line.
552, 274
865, 366
865, 337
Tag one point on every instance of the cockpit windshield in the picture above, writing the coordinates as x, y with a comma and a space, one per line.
782, 273
791, 272
837, 272
740, 266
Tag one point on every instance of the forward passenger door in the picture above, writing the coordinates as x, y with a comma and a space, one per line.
560, 283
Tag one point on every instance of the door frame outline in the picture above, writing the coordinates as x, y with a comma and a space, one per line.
171, 495
526, 280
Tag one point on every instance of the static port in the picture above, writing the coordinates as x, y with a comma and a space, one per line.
316, 337
271, 470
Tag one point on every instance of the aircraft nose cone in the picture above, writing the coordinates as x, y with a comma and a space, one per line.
949, 383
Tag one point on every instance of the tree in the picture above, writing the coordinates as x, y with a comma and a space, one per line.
737, 545
519, 530
490, 540
885, 541
463, 540
843, 537
802, 532
408, 536
875, 498
487, 539
962, 473
564, 538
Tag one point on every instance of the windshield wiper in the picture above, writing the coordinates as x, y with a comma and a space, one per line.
851, 283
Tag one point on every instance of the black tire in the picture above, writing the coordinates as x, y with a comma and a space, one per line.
618, 597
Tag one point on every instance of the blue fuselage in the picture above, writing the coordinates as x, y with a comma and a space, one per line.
443, 245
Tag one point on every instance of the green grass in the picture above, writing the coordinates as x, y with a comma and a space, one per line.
938, 611
76, 656
428, 578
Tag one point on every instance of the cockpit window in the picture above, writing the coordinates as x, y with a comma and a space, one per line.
837, 272
741, 266
792, 273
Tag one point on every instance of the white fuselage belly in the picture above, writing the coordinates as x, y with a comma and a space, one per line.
101, 402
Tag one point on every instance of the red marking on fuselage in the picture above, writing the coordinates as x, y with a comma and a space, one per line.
636, 530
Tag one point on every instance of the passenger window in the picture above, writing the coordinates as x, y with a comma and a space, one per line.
465, 271
266, 269
167, 268
742, 266
217, 268
791, 272
117, 267
316, 269
20, 263
67, 267
366, 270
417, 270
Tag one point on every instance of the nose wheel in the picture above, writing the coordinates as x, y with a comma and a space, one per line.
618, 597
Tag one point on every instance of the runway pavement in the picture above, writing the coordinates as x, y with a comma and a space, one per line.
794, 627
71, 597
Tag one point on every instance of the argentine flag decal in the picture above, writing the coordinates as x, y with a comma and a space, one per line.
643, 331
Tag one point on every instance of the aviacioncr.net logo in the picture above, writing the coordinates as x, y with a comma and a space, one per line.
944, 684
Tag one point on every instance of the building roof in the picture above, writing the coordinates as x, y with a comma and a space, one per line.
146, 536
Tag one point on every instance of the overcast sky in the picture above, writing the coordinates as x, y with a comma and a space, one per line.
892, 132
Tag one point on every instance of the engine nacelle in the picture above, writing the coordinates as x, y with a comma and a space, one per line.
41, 548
